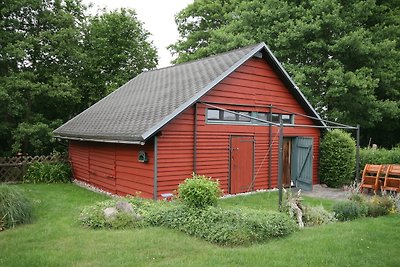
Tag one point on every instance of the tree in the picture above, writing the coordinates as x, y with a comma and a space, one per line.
344, 55
55, 61
195, 24
38, 41
117, 49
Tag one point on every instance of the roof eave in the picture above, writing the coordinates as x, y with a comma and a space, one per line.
115, 141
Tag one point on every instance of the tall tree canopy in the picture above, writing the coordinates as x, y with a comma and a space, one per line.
56, 61
344, 55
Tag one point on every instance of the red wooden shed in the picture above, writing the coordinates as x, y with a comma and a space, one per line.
213, 116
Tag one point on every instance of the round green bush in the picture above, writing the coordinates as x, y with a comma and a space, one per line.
15, 208
338, 158
199, 191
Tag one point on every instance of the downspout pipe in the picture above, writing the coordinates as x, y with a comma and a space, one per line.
195, 140
155, 189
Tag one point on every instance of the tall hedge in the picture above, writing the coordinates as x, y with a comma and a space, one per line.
338, 158
379, 156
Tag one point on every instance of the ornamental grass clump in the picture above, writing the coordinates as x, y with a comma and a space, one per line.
199, 191
15, 208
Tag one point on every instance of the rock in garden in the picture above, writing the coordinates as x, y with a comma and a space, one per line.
110, 213
124, 207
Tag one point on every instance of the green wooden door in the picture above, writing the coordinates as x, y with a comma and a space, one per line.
302, 155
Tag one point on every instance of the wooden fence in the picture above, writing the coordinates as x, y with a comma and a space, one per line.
13, 169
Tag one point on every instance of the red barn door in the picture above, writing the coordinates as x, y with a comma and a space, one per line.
242, 164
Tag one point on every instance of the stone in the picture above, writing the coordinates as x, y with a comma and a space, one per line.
110, 213
124, 207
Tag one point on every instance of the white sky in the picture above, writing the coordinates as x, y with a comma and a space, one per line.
158, 19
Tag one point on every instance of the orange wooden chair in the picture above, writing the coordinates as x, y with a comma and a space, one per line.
370, 177
392, 179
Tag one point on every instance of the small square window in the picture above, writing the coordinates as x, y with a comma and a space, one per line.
275, 118
243, 118
286, 119
263, 116
228, 116
213, 114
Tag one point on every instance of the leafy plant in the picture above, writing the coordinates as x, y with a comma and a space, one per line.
313, 216
94, 216
15, 208
338, 155
380, 206
46, 172
348, 210
199, 191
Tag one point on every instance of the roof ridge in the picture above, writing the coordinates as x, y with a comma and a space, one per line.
205, 58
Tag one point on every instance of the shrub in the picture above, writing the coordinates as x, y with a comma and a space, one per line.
199, 191
313, 216
216, 225
348, 210
380, 206
93, 216
15, 208
379, 156
337, 163
224, 227
45, 172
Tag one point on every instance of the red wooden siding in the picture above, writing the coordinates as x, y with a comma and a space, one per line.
175, 152
113, 167
252, 84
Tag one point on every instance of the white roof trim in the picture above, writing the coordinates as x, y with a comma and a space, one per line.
100, 140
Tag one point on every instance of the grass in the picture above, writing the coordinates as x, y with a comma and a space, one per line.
56, 239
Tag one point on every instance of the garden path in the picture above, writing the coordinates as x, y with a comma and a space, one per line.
322, 191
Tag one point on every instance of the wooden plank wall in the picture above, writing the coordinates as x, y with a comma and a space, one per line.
113, 167
175, 152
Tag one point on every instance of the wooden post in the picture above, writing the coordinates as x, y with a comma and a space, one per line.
280, 160
358, 154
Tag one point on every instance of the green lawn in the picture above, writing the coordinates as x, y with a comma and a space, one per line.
56, 239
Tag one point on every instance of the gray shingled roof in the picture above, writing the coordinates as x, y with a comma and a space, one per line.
139, 108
